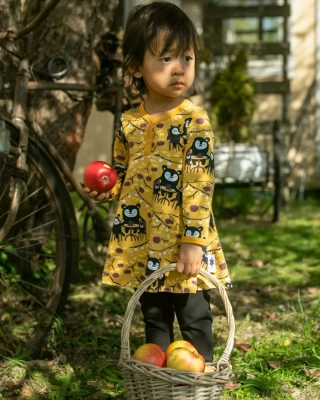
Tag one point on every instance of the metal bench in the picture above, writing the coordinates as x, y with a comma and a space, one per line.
240, 165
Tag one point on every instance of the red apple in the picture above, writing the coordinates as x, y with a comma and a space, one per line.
185, 360
99, 176
179, 343
150, 353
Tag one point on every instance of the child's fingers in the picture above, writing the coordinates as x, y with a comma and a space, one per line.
96, 195
194, 269
93, 194
89, 192
180, 266
103, 196
188, 268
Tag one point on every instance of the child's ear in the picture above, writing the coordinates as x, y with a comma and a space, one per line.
137, 73
134, 71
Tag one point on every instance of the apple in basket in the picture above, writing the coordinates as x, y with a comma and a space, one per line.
99, 176
184, 359
179, 343
209, 368
150, 353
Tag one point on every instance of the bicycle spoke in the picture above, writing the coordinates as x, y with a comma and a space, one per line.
36, 253
25, 200
32, 213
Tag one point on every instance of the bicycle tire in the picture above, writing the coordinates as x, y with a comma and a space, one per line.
94, 238
38, 254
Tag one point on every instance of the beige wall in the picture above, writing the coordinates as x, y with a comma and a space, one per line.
301, 154
303, 50
302, 63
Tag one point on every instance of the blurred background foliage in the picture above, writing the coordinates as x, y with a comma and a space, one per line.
233, 99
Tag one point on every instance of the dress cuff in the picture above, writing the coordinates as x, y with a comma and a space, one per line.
191, 240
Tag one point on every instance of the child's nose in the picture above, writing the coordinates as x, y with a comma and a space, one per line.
178, 69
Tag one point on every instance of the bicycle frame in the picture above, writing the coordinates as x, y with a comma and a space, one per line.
18, 119
39, 231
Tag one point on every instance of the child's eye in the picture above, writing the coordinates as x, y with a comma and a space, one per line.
166, 59
187, 58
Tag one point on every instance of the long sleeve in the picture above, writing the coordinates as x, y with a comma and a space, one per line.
120, 160
198, 180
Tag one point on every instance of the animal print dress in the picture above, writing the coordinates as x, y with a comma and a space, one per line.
165, 170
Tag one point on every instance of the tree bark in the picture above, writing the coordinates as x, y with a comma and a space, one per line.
72, 31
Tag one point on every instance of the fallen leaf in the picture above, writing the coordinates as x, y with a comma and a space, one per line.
296, 394
26, 391
316, 328
256, 263
40, 363
270, 315
312, 373
232, 386
242, 346
11, 384
275, 364
265, 290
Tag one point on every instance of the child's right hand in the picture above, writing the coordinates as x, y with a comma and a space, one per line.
95, 195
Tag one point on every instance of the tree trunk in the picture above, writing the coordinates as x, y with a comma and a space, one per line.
71, 31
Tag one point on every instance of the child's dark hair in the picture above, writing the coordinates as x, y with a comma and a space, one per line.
144, 24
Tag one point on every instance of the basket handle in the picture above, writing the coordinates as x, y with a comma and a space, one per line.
125, 346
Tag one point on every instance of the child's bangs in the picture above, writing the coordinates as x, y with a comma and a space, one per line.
180, 38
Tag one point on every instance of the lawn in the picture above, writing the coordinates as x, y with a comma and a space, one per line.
276, 303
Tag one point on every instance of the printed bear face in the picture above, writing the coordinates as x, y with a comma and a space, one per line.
130, 212
153, 263
169, 175
201, 144
174, 130
192, 231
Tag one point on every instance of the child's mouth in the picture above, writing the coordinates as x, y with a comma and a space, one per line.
178, 84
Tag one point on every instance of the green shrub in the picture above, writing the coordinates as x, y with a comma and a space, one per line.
233, 99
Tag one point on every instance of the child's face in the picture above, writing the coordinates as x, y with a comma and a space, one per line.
167, 75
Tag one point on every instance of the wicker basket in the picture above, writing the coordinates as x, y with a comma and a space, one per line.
147, 382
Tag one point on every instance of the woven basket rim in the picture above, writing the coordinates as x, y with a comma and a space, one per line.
165, 374
223, 364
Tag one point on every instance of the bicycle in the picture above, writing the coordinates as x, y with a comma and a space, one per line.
39, 234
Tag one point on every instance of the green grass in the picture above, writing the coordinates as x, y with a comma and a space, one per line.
275, 300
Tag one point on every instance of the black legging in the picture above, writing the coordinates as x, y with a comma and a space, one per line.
193, 315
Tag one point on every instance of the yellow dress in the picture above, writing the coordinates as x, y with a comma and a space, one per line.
165, 170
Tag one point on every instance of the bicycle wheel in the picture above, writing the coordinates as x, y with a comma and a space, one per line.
96, 239
38, 253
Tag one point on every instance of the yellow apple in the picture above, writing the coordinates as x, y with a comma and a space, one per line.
184, 359
150, 353
179, 343
209, 368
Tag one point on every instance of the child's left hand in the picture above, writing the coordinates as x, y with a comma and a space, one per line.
95, 195
190, 259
